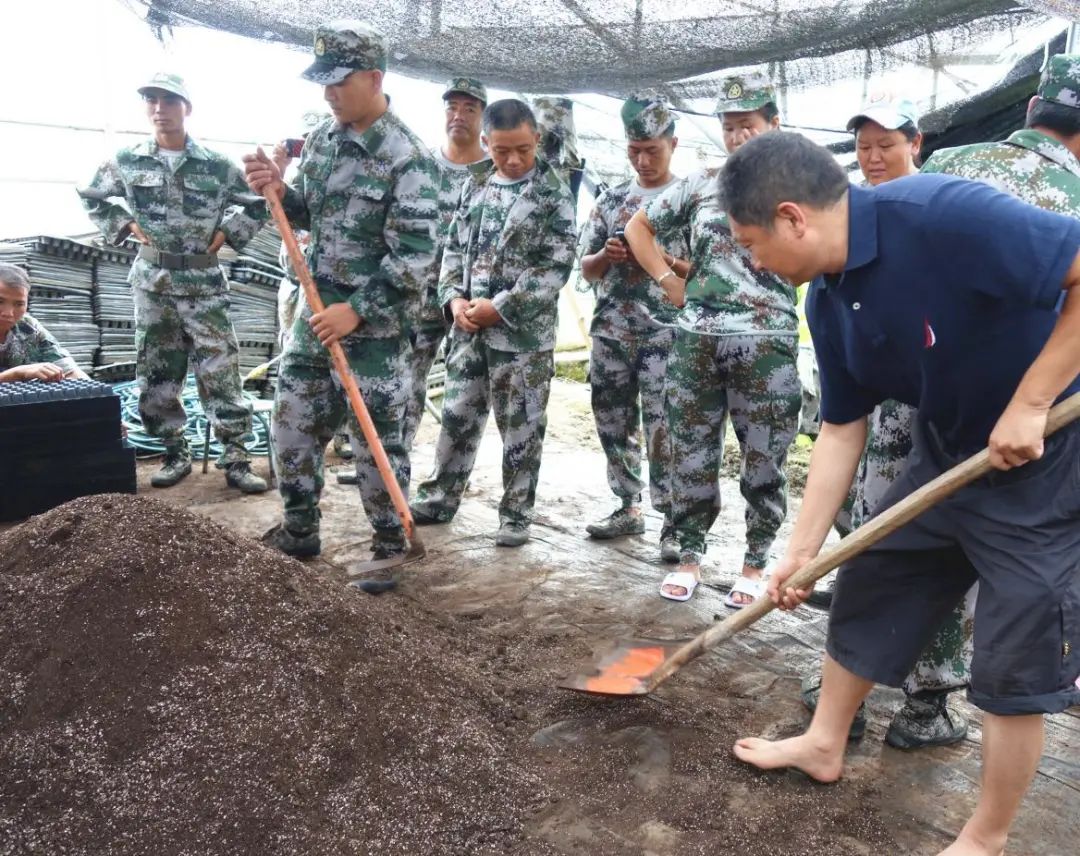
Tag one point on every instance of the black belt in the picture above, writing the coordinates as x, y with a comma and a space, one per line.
178, 261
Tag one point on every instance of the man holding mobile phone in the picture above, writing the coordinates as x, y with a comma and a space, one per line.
632, 327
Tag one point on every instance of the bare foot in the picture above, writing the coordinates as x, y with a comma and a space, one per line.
742, 598
970, 845
818, 762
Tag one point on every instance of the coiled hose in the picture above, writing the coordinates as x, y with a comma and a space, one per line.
147, 446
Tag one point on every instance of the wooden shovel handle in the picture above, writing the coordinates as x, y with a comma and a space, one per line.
311, 294
929, 495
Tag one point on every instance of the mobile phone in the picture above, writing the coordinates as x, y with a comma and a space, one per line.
620, 235
293, 146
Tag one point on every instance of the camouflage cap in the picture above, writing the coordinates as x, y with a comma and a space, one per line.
173, 83
1060, 82
466, 86
342, 47
887, 109
740, 93
646, 118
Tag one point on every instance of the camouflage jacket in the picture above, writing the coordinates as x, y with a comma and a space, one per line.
523, 267
452, 178
629, 302
725, 296
370, 203
1029, 165
29, 342
179, 211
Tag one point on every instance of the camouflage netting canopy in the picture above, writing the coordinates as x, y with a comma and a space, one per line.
618, 46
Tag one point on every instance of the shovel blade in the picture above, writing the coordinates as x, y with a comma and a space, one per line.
416, 552
625, 670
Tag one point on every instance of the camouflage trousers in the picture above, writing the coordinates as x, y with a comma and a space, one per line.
170, 332
754, 380
946, 662
424, 351
627, 381
513, 385
310, 407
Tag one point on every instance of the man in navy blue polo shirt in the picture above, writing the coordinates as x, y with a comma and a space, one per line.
940, 293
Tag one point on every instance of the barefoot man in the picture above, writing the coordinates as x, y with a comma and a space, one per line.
940, 293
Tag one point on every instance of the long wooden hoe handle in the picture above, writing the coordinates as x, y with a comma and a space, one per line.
311, 294
884, 524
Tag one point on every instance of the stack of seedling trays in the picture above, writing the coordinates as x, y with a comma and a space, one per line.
13, 254
114, 310
263, 252
62, 279
253, 307
59, 441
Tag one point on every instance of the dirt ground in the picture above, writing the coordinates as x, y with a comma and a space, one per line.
652, 776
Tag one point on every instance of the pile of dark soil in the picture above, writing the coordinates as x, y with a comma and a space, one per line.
168, 687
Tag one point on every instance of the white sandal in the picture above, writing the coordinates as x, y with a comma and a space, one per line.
744, 585
683, 579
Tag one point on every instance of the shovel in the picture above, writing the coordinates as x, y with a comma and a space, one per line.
637, 667
352, 391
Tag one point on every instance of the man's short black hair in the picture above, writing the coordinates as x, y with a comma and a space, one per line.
779, 167
13, 275
507, 114
1059, 118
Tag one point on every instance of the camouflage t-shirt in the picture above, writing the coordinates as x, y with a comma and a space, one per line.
1030, 165
29, 342
725, 296
629, 302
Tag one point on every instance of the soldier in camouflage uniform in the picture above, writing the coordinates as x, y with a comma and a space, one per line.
633, 327
27, 350
366, 190
734, 354
465, 100
183, 203
508, 254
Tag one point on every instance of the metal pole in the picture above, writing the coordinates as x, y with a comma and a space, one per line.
1072, 39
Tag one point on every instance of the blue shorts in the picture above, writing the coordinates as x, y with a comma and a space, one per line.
1018, 534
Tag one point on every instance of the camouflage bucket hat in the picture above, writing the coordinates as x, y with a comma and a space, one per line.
342, 47
173, 83
1060, 82
741, 93
888, 110
646, 118
466, 86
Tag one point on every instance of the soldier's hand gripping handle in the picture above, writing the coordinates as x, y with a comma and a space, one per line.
262, 174
137, 233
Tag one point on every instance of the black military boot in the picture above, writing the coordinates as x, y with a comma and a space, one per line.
175, 467
926, 720
239, 475
297, 544
811, 692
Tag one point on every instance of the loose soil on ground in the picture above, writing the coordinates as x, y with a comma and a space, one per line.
168, 686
